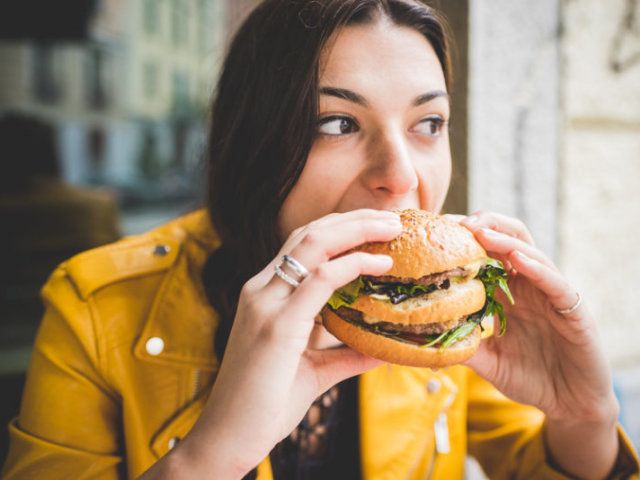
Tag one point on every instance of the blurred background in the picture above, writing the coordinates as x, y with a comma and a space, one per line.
103, 111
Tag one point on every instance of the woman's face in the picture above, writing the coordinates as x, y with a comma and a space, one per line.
382, 137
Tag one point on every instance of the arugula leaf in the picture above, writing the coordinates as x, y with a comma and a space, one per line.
494, 275
436, 339
458, 333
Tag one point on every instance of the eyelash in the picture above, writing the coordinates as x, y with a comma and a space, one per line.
354, 127
437, 120
332, 118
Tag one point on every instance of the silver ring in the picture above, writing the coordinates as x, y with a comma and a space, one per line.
564, 311
282, 274
296, 266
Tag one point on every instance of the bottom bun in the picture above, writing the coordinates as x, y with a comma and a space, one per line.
394, 351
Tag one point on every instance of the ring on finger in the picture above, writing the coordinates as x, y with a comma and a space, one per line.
297, 268
573, 308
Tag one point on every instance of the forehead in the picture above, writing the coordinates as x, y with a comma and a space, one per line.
382, 55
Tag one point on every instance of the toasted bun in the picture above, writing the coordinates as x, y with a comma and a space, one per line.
429, 243
458, 300
393, 351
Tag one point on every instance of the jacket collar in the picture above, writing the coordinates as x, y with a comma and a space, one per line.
181, 317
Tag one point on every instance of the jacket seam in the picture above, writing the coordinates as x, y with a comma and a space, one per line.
100, 350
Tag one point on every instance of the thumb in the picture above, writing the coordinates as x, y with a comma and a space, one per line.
483, 362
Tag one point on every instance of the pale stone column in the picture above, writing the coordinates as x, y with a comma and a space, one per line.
514, 85
600, 173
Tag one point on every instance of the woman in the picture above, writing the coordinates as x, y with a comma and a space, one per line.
328, 114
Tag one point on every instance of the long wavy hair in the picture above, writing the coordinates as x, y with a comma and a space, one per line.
264, 121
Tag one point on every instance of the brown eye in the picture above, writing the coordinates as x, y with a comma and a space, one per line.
337, 125
430, 126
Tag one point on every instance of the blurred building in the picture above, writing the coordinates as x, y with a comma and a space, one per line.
174, 51
130, 100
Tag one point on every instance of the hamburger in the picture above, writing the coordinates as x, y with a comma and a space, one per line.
427, 310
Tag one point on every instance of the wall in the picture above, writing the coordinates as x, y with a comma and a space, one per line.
599, 188
514, 112
554, 139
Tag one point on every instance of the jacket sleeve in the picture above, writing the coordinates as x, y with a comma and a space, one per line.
69, 421
507, 438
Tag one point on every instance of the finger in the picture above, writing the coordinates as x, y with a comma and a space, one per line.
558, 291
331, 221
505, 262
337, 364
500, 223
498, 243
454, 217
319, 244
314, 292
334, 220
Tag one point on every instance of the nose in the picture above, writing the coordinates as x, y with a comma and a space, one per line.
391, 166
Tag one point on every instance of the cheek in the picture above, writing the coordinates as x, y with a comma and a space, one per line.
435, 176
317, 192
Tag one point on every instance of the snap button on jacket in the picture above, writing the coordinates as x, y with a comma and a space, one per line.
124, 360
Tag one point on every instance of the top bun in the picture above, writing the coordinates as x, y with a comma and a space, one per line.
429, 243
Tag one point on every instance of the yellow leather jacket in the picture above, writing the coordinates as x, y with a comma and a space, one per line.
124, 360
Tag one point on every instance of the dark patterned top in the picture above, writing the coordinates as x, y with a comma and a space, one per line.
326, 443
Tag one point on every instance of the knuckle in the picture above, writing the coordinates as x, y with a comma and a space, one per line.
249, 288
323, 273
519, 224
312, 238
297, 231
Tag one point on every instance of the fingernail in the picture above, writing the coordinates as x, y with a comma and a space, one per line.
454, 217
389, 213
394, 222
471, 220
385, 260
522, 257
490, 233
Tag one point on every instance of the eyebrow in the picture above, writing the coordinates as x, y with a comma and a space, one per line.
344, 94
427, 97
358, 99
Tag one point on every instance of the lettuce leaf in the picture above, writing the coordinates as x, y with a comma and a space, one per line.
347, 294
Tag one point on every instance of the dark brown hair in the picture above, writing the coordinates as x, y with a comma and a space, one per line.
264, 121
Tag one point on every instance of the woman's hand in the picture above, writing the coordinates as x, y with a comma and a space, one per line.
269, 376
548, 359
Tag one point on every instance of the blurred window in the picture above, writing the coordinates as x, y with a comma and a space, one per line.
150, 79
150, 16
179, 23
205, 32
97, 69
47, 73
181, 101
